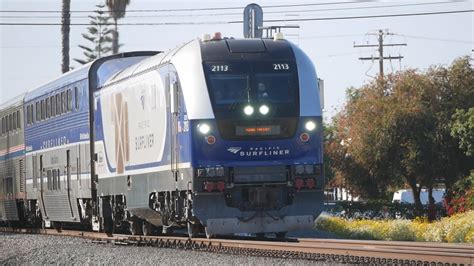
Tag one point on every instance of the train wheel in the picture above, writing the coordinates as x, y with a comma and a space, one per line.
147, 228
260, 236
280, 235
193, 229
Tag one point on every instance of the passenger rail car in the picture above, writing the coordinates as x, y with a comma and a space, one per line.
12, 161
216, 135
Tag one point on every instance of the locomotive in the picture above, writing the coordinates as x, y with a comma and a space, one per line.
218, 135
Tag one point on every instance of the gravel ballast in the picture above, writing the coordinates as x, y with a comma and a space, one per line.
43, 249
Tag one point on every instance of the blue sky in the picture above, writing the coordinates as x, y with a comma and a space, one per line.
31, 55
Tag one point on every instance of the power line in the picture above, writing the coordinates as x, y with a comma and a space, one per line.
371, 16
240, 14
356, 8
435, 39
239, 21
192, 9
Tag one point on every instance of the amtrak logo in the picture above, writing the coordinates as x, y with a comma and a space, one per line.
234, 150
259, 151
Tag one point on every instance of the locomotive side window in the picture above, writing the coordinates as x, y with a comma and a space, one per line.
3, 125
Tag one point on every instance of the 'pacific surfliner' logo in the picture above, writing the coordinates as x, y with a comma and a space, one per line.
259, 151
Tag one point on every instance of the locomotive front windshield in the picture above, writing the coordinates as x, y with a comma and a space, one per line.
234, 85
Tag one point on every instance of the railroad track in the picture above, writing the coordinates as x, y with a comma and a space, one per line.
329, 250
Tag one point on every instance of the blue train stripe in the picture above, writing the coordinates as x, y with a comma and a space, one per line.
63, 129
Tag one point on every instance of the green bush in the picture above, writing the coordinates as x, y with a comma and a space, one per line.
458, 228
379, 209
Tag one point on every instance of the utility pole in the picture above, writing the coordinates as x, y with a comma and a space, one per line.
380, 46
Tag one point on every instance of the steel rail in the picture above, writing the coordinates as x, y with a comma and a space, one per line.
346, 251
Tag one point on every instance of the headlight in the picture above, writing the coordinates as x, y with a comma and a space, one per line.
264, 109
248, 110
204, 128
310, 125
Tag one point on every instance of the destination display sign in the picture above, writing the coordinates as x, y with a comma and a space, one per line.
257, 130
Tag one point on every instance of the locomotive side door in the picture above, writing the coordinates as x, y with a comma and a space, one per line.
174, 109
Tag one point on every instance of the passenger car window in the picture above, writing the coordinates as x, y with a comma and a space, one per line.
64, 102
69, 100
18, 119
43, 110
76, 97
48, 108
58, 104
38, 112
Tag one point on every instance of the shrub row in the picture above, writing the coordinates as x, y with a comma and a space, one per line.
458, 228
379, 209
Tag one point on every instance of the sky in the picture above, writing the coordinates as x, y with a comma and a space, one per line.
31, 55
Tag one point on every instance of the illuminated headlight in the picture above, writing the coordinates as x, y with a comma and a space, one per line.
310, 125
248, 110
264, 109
204, 128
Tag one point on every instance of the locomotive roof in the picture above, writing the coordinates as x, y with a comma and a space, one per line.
144, 65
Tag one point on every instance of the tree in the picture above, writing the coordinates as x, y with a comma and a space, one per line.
396, 129
99, 35
462, 128
65, 28
117, 10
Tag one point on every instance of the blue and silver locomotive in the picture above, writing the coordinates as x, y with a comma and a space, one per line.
217, 135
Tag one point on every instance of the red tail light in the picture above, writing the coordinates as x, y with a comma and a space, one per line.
299, 183
210, 139
304, 137
221, 186
310, 183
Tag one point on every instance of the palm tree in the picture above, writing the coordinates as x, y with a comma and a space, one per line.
65, 28
117, 10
